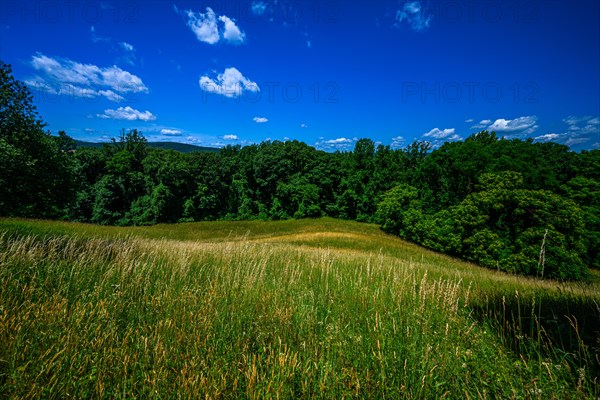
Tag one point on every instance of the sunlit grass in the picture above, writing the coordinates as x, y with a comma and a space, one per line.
315, 308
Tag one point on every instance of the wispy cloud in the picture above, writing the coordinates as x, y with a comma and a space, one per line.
260, 120
128, 114
397, 142
579, 130
64, 76
549, 137
342, 144
583, 125
258, 8
206, 27
413, 15
303, 126
437, 133
94, 37
127, 47
230, 137
231, 83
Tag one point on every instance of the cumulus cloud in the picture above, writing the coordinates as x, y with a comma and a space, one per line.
413, 15
170, 132
230, 137
526, 125
128, 114
260, 120
339, 141
64, 76
231, 83
206, 27
511, 127
231, 32
258, 8
436, 137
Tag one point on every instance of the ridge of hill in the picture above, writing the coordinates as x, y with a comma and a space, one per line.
181, 147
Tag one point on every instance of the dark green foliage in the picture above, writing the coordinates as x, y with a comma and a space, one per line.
512, 205
35, 178
179, 147
501, 226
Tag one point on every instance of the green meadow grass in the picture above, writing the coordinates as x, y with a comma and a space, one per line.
291, 309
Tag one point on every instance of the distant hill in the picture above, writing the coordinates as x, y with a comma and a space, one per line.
181, 147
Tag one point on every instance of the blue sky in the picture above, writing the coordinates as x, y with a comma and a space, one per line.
324, 72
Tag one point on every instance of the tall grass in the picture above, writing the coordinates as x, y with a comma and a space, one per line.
255, 316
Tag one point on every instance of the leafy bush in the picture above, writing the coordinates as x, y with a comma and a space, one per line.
502, 226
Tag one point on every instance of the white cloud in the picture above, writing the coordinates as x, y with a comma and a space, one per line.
308, 44
258, 7
512, 127
170, 132
526, 125
64, 76
583, 125
232, 33
574, 141
260, 120
468, 121
342, 144
482, 124
128, 114
304, 126
230, 137
193, 140
413, 15
437, 136
440, 134
206, 27
231, 83
397, 142
127, 47
580, 130
549, 137
338, 141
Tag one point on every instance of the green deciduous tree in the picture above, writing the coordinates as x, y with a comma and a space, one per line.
36, 175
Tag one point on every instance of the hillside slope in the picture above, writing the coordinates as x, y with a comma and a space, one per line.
310, 308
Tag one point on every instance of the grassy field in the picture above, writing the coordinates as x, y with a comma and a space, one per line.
312, 309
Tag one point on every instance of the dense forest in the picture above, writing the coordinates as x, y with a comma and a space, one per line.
512, 205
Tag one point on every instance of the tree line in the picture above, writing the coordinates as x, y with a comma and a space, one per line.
512, 205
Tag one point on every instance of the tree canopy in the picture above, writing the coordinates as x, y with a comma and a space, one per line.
512, 205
